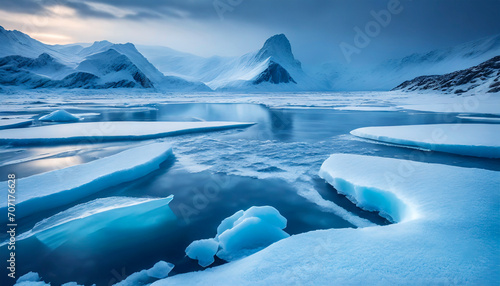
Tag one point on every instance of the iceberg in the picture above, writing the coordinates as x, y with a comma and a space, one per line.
81, 222
479, 140
14, 123
59, 187
243, 233
447, 234
145, 277
97, 132
60, 116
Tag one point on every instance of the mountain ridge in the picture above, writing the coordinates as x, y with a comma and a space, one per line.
40, 65
484, 77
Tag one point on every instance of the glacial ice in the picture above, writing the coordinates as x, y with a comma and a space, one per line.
59, 187
81, 221
160, 270
97, 132
203, 250
30, 279
448, 232
480, 140
33, 279
243, 233
14, 123
60, 116
144, 277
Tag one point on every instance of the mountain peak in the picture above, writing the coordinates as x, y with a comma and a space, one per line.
278, 41
278, 48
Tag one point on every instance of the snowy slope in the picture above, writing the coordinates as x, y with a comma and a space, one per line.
114, 69
482, 78
150, 72
449, 235
44, 65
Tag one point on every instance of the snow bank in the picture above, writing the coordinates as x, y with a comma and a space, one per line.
96, 132
87, 219
60, 187
480, 140
14, 123
449, 236
239, 235
158, 271
60, 116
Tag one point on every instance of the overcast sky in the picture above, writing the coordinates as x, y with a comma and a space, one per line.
315, 28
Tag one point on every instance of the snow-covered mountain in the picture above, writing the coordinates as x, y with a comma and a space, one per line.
390, 73
484, 77
273, 67
29, 63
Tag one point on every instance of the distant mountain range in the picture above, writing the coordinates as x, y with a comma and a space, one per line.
390, 73
273, 67
483, 78
29, 64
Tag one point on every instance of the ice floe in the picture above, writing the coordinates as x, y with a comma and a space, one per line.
480, 119
30, 279
59, 187
480, 140
145, 277
83, 220
14, 123
34, 279
97, 132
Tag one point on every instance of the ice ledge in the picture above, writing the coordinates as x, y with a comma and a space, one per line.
56, 188
479, 140
97, 132
366, 196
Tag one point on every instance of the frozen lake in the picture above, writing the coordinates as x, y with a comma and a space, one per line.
211, 176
